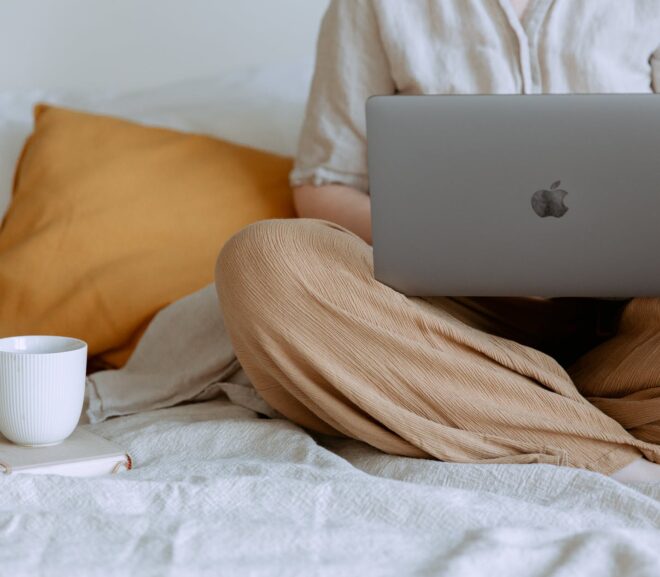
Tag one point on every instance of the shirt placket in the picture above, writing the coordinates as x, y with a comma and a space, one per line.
528, 33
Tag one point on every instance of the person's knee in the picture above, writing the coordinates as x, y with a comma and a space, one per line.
241, 255
265, 257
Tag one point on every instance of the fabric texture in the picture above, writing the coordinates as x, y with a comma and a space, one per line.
334, 350
185, 355
218, 492
620, 376
375, 47
110, 221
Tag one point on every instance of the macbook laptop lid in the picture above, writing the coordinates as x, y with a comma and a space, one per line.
516, 195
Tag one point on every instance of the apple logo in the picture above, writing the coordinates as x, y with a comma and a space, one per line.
550, 202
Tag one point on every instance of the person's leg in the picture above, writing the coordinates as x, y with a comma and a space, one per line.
564, 328
336, 351
622, 378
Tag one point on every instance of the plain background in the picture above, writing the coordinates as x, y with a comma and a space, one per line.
119, 45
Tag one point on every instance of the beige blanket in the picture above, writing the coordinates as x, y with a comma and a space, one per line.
184, 355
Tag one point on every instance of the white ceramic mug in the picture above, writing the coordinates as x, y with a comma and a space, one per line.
42, 388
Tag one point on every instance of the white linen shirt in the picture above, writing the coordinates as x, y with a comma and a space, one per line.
369, 47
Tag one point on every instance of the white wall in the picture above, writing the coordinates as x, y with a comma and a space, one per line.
131, 44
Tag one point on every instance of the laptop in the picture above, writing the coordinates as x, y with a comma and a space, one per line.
516, 195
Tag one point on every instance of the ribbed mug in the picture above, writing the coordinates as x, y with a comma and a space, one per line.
42, 387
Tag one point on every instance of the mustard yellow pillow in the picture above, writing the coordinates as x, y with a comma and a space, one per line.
111, 221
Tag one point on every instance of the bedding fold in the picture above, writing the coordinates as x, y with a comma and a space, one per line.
184, 355
218, 492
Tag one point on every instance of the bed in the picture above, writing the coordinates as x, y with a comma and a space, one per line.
218, 488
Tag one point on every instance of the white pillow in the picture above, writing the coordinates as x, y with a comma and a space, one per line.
261, 107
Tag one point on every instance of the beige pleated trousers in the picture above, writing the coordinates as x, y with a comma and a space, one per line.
469, 380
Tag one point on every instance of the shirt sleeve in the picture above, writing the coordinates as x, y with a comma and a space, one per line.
351, 65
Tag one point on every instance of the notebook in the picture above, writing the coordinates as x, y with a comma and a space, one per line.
83, 454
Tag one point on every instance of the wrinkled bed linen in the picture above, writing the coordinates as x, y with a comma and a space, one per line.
218, 491
184, 355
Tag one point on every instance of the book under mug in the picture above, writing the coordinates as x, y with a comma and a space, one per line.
83, 454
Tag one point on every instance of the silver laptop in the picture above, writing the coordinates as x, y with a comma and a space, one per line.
516, 195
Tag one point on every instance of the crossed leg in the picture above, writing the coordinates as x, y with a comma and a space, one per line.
622, 378
338, 352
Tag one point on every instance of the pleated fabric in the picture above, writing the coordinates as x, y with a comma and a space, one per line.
470, 380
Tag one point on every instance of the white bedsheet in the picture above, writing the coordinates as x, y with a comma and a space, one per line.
218, 491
